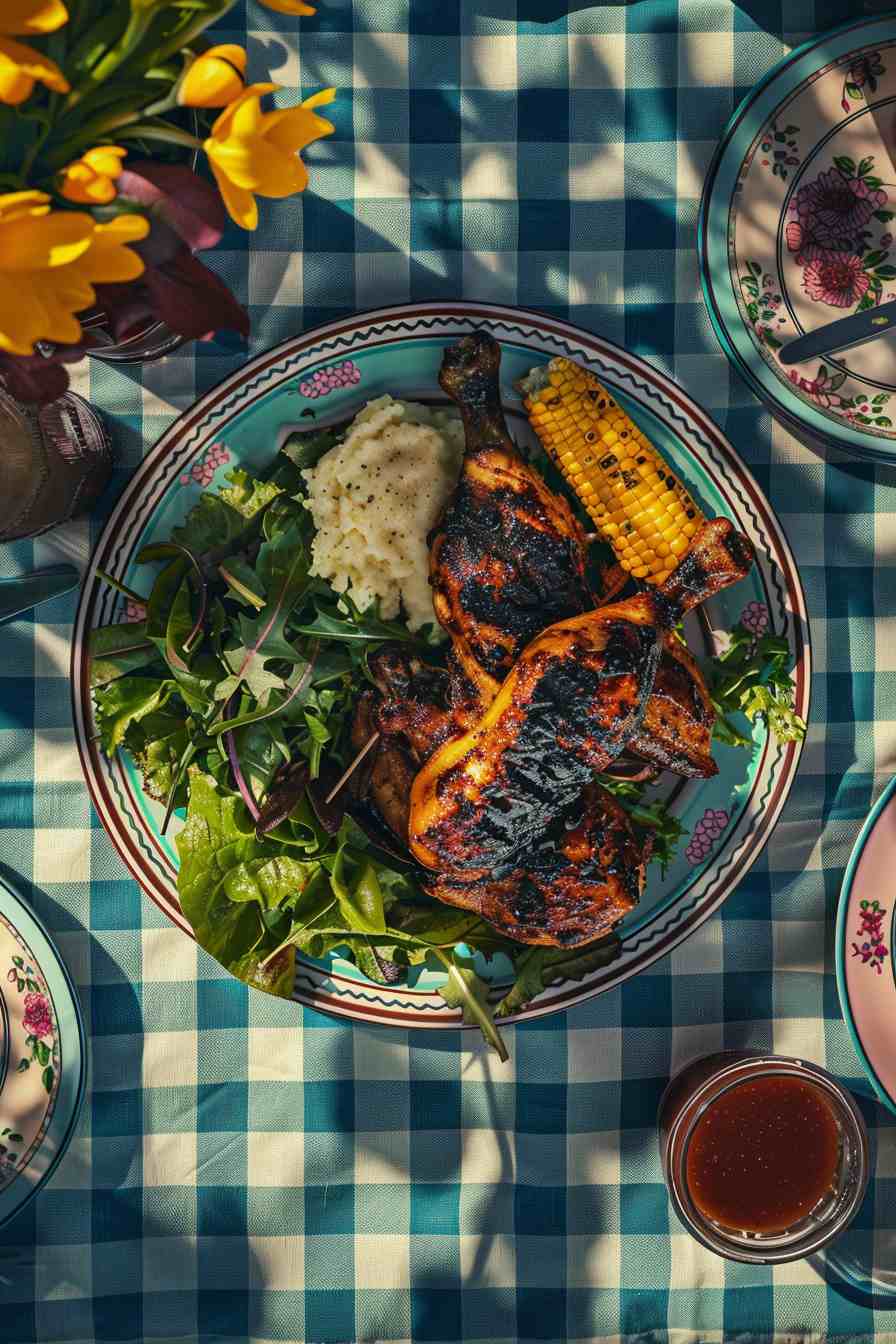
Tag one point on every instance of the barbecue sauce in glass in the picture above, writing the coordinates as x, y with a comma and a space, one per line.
763, 1155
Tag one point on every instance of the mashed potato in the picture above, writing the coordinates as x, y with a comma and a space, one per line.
376, 495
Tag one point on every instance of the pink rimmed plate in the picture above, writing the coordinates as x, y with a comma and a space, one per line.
326, 375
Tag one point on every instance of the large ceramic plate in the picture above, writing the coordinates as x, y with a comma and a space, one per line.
43, 1062
865, 930
797, 227
330, 372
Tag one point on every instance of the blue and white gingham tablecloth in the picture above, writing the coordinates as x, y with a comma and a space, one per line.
247, 1171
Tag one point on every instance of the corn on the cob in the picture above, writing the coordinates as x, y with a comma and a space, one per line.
635, 499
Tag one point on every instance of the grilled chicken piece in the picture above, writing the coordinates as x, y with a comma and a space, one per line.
574, 698
571, 887
676, 731
507, 558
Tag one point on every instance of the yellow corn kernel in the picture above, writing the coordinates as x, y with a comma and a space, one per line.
637, 503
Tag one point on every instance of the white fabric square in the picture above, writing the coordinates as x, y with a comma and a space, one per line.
705, 59
61, 854
380, 61
692, 162
488, 1261
52, 647
276, 279
593, 1054
382, 1261
596, 60
489, 62
169, 1159
167, 955
169, 1058
800, 1036
488, 1157
275, 1158
489, 171
593, 1159
597, 171
56, 759
275, 1055
692, 1266
700, 954
381, 171
594, 1261
277, 1262
596, 277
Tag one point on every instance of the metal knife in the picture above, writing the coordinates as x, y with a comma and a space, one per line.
20, 594
840, 335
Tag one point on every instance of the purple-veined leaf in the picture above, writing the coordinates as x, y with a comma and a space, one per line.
174, 194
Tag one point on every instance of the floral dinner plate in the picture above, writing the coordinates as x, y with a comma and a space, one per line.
325, 376
797, 229
42, 1055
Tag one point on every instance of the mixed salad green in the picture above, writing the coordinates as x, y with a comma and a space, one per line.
235, 694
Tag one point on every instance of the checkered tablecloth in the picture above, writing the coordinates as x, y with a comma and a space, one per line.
244, 1170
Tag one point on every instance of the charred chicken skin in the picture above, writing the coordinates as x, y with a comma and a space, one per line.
676, 731
507, 558
574, 698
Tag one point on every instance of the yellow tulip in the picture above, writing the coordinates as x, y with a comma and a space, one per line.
257, 153
21, 67
215, 78
49, 262
31, 18
290, 7
90, 180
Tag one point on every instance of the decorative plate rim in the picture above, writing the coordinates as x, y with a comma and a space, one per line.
846, 889
716, 456
70, 1094
712, 235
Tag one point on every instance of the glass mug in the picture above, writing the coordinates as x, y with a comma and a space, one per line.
688, 1126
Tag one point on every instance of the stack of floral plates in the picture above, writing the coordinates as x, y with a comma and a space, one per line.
42, 1055
797, 229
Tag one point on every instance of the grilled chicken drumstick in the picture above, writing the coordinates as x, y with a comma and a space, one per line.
575, 696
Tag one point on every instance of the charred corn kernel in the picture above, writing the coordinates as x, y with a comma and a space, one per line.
637, 503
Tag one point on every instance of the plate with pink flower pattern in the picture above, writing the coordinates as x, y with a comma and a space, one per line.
797, 229
864, 952
42, 1054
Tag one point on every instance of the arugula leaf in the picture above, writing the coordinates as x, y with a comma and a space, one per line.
116, 650
306, 450
211, 524
246, 493
753, 677
355, 625
125, 701
538, 967
242, 580
465, 990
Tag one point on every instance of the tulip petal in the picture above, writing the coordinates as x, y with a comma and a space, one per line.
292, 128
37, 244
240, 204
15, 87
31, 64
15, 204
85, 187
297, 7
229, 51
105, 159
222, 127
29, 18
109, 259
212, 80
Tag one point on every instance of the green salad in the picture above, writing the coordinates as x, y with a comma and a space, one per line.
235, 696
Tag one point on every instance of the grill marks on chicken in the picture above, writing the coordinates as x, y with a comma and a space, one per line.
676, 731
573, 886
574, 698
508, 556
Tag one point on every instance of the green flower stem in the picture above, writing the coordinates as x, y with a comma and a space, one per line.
138, 26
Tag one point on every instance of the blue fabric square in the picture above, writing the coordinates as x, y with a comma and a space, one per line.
435, 1209
17, 701
436, 1315
538, 1312
643, 1208
540, 1108
16, 805
222, 1003
115, 905
117, 1112
329, 1315
433, 115
543, 114
115, 1008
221, 1107
329, 1209
435, 1105
330, 1105
220, 1312
220, 1211
539, 1210
650, 114
116, 1215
